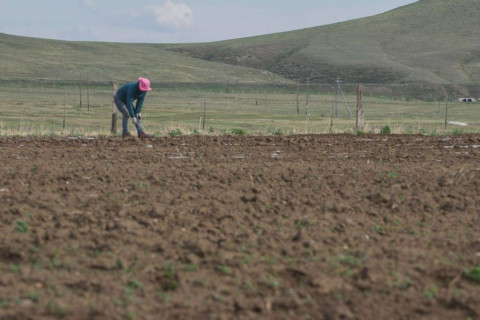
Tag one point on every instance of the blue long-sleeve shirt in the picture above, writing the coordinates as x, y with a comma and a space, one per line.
130, 92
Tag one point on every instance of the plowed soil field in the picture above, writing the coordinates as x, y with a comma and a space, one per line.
233, 227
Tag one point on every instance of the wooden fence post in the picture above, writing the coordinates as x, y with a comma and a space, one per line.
204, 114
360, 114
64, 109
446, 111
331, 118
88, 94
80, 89
114, 111
308, 92
298, 109
445, 93
265, 98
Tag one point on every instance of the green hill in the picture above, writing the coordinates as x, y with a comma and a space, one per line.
431, 41
32, 58
434, 41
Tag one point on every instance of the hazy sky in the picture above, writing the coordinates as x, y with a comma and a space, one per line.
175, 21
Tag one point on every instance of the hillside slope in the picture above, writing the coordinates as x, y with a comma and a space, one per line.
32, 58
435, 41
432, 41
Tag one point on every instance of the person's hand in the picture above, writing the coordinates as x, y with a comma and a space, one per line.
139, 116
134, 120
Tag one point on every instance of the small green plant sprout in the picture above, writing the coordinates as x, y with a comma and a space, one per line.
385, 130
377, 228
350, 260
190, 267
14, 268
131, 315
211, 130
170, 274
117, 302
55, 261
238, 132
218, 297
132, 285
55, 309
4, 304
403, 284
246, 260
431, 292
164, 296
269, 260
34, 295
304, 225
346, 264
118, 264
225, 270
169, 268
393, 175
278, 132
21, 226
472, 274
174, 133
271, 282
141, 184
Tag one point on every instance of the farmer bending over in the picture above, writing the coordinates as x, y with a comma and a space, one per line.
124, 101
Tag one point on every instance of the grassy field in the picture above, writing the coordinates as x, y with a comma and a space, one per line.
40, 111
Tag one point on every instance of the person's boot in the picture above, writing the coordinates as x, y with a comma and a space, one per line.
126, 135
143, 135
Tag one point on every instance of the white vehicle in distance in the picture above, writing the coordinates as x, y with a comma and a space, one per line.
467, 100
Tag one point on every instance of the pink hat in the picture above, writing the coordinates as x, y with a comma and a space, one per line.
144, 84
